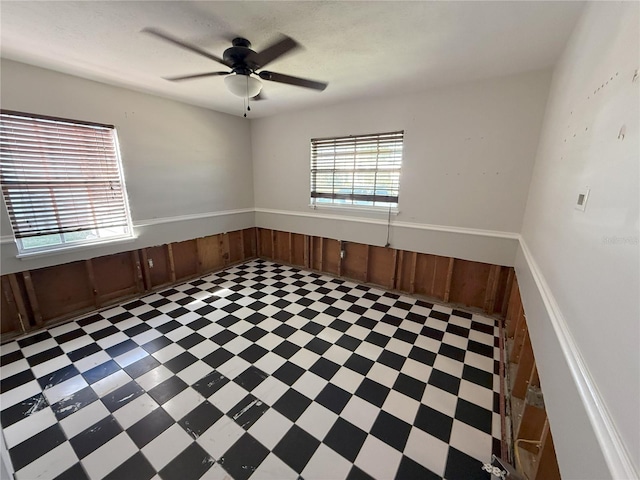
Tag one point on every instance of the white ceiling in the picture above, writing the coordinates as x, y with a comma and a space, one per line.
362, 49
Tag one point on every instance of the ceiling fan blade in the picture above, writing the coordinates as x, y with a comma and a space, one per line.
183, 44
300, 82
275, 50
197, 75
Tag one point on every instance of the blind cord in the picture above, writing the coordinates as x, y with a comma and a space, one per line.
388, 244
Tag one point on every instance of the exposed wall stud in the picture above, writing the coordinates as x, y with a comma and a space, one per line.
366, 264
394, 269
33, 300
447, 289
23, 317
172, 265
243, 254
340, 247
307, 262
321, 259
290, 248
92, 282
400, 268
414, 264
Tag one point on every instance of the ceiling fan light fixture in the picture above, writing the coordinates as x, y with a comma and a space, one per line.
243, 86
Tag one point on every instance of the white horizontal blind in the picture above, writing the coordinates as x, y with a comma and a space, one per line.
58, 176
359, 169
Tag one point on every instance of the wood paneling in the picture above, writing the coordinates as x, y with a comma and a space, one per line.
159, 270
355, 261
236, 249
297, 249
469, 282
382, 266
61, 290
331, 256
281, 247
185, 257
114, 276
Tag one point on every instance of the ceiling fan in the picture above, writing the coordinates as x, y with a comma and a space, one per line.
244, 63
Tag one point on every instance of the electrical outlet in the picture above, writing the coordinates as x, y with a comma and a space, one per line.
150, 261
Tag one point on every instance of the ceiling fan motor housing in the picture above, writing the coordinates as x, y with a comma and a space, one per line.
239, 56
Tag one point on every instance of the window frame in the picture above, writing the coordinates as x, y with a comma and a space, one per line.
65, 236
357, 201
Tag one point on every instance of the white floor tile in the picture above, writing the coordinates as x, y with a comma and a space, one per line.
154, 377
65, 389
272, 468
166, 446
50, 465
440, 400
183, 403
360, 412
111, 383
220, 437
31, 425
109, 456
228, 396
18, 394
83, 418
87, 363
471, 441
401, 406
427, 450
270, 428
135, 410
326, 464
378, 459
317, 420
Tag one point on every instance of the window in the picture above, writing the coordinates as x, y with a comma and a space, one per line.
357, 170
61, 181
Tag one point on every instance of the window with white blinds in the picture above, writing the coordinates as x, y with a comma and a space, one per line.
62, 181
357, 170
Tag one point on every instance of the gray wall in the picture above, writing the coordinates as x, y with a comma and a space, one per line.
468, 157
586, 264
179, 160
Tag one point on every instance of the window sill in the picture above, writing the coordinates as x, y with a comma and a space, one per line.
74, 248
355, 208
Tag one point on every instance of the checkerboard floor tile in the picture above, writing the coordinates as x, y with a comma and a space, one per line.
260, 371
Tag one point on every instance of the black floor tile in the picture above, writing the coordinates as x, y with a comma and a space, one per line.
192, 464
296, 448
372, 392
148, 428
325, 368
292, 404
167, 390
434, 423
210, 384
334, 398
74, 402
101, 371
244, 457
391, 430
248, 411
346, 439
34, 447
198, 420
250, 378
136, 467
95, 436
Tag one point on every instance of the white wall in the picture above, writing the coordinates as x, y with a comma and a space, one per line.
587, 337
469, 152
179, 160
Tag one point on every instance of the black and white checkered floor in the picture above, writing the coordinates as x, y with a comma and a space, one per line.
261, 371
